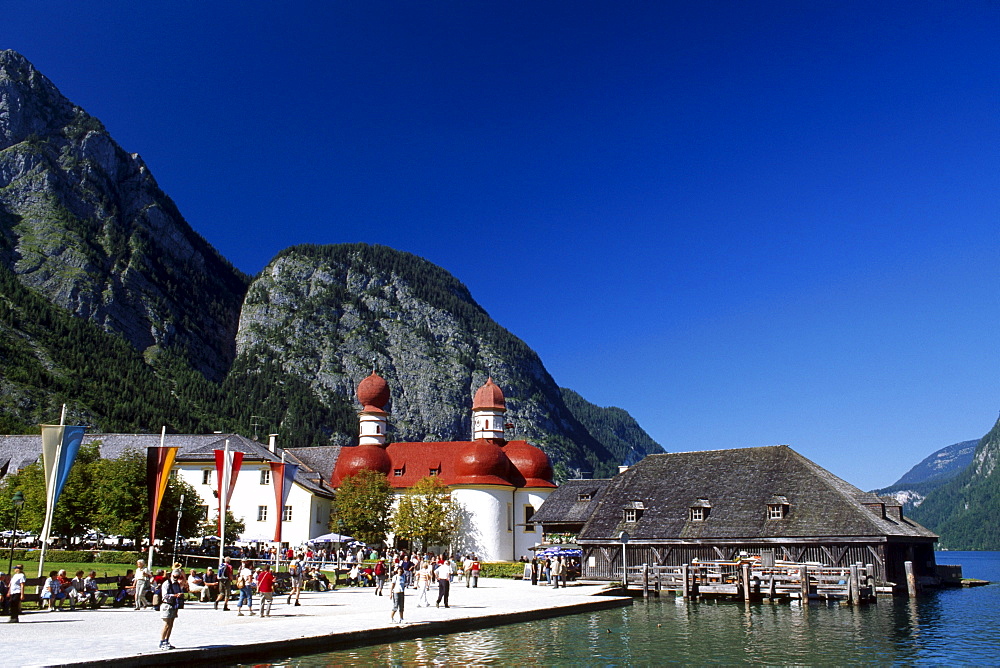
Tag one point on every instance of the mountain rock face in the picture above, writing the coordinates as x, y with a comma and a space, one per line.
331, 314
84, 223
614, 427
112, 304
931, 473
964, 510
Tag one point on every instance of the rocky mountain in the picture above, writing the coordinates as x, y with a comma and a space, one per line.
965, 511
934, 471
371, 307
111, 303
85, 224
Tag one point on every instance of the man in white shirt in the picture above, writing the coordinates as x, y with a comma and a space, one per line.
16, 592
443, 573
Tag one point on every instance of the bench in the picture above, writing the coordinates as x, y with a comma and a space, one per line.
108, 585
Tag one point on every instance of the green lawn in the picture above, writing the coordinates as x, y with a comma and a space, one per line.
103, 570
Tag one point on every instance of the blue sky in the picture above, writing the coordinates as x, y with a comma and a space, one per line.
747, 223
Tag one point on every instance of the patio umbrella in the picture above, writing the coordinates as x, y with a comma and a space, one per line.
330, 538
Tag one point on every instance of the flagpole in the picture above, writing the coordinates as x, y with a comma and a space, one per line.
149, 561
50, 494
223, 502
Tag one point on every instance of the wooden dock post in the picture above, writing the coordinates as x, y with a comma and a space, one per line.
911, 579
746, 582
804, 583
854, 585
870, 581
685, 575
645, 580
770, 586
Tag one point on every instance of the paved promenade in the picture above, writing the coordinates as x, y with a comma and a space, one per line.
325, 621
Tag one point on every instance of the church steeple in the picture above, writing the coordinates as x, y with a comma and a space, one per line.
488, 408
373, 393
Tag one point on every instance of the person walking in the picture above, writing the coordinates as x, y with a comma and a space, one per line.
424, 584
534, 570
380, 573
397, 592
444, 573
171, 600
142, 579
245, 584
474, 571
265, 587
295, 572
225, 584
16, 592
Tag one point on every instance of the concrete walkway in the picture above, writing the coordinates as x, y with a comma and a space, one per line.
324, 622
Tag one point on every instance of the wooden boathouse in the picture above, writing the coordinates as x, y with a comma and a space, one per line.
767, 507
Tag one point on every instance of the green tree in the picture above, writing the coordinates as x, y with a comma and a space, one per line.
427, 515
362, 506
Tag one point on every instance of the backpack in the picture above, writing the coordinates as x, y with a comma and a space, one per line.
380, 569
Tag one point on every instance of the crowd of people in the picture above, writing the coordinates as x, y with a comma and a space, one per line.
166, 590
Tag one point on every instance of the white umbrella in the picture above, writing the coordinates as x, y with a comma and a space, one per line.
330, 538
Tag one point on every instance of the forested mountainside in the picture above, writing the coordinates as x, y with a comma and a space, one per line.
112, 304
614, 427
965, 511
933, 472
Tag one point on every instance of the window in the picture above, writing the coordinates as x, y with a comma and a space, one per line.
529, 512
287, 515
583, 496
631, 515
261, 513
698, 514
775, 511
378, 429
486, 424
203, 513
436, 471
265, 476
173, 474
206, 477
510, 517
398, 473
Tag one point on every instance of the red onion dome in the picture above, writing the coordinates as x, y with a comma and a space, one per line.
373, 393
530, 462
482, 462
489, 396
357, 459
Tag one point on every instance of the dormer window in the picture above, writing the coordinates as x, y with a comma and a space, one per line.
436, 472
633, 511
699, 510
583, 496
777, 507
398, 473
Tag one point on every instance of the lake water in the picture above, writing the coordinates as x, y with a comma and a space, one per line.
950, 626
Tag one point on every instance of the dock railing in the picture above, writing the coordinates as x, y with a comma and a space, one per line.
752, 581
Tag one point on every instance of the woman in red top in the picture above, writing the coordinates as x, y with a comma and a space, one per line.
265, 587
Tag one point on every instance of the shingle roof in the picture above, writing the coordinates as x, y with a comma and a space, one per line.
16, 452
563, 506
737, 485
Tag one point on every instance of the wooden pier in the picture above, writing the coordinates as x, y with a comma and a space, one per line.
750, 581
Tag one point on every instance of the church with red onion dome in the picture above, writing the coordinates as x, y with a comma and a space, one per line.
499, 483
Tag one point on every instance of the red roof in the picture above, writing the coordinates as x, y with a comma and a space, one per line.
489, 396
479, 462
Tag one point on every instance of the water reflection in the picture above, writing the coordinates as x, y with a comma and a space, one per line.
952, 626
